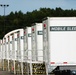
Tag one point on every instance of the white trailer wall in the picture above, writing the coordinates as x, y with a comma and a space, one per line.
0, 53
60, 40
20, 44
7, 51
3, 49
37, 42
8, 38
11, 48
25, 53
15, 46
34, 50
29, 47
39, 38
0, 49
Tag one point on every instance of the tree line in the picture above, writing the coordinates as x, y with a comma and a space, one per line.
20, 20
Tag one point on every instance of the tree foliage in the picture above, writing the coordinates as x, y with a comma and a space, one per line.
20, 20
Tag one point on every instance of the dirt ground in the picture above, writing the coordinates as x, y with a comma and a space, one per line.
5, 73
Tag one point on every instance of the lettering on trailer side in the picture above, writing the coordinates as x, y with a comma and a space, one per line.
62, 28
40, 32
10, 42
29, 35
15, 39
22, 37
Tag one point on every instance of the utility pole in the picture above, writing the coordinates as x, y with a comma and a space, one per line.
4, 6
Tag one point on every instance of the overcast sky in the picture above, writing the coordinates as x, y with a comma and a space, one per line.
30, 5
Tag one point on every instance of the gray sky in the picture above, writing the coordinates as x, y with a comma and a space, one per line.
30, 5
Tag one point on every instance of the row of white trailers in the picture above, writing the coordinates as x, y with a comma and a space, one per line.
52, 43
21, 46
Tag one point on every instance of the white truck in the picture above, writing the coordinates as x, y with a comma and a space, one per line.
59, 44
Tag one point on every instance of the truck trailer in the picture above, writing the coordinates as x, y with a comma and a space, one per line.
1, 58
11, 50
37, 42
37, 49
59, 44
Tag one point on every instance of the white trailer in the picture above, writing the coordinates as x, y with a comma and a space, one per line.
14, 46
0, 49
20, 45
29, 44
20, 48
3, 48
7, 51
14, 51
59, 43
25, 46
4, 53
37, 42
11, 50
0, 53
27, 50
33, 65
7, 56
